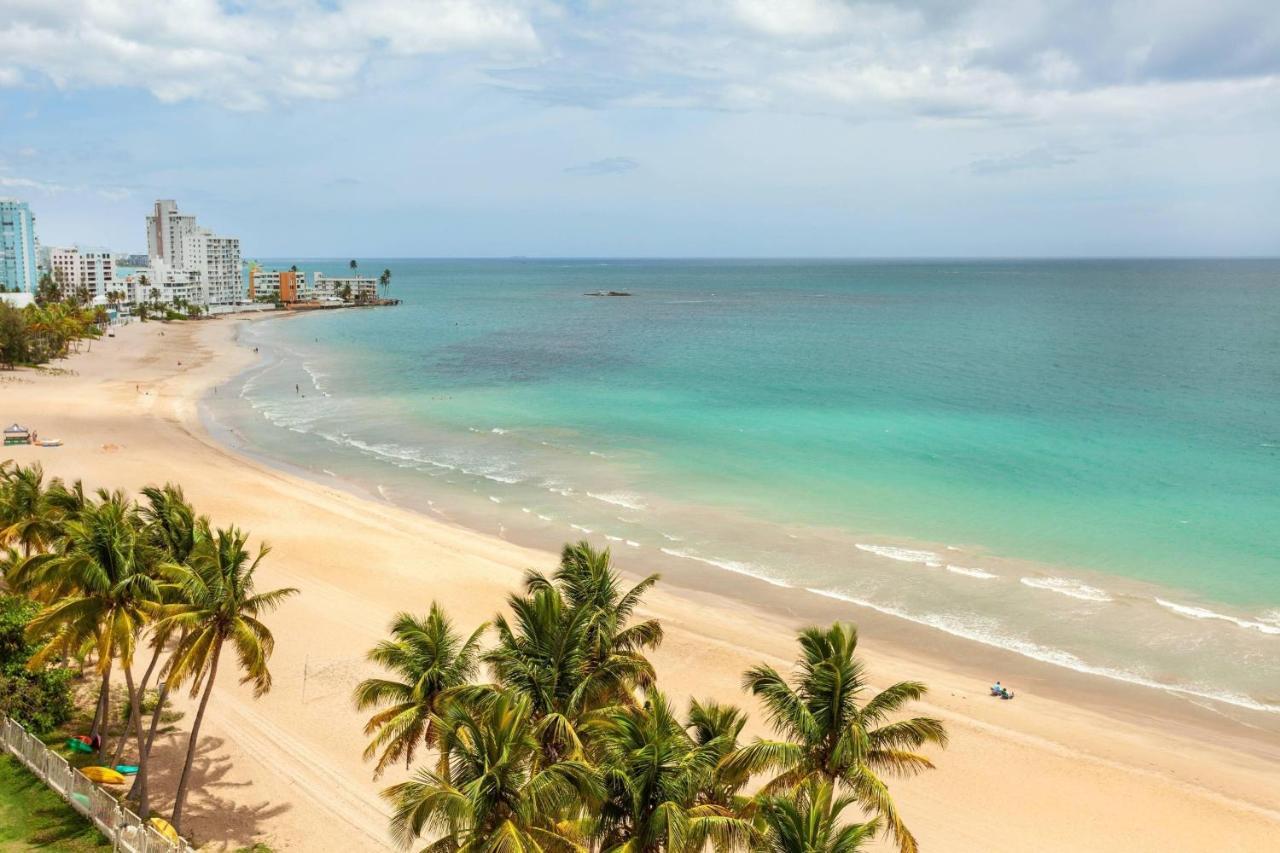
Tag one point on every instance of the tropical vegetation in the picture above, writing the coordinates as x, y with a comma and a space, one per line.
571, 745
543, 729
41, 332
92, 580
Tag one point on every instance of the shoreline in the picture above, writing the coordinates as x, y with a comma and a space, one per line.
1002, 652
1129, 757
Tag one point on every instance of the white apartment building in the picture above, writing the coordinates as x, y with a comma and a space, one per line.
166, 228
91, 271
211, 263
362, 288
216, 262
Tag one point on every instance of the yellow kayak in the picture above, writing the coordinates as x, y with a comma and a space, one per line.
104, 775
163, 827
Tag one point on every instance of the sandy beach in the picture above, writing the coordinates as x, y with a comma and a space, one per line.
1075, 763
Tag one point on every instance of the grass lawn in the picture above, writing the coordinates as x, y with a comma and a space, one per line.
34, 818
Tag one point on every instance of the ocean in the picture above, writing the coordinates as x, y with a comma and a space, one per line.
1075, 460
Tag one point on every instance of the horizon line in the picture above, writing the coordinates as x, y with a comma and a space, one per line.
348, 257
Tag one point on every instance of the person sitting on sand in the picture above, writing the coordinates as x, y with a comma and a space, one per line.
997, 689
1006, 693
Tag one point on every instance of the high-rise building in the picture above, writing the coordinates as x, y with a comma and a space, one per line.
89, 270
176, 243
217, 261
17, 246
165, 229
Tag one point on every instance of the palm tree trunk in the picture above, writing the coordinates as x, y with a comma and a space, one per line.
144, 752
162, 695
180, 798
142, 690
135, 717
97, 713
106, 711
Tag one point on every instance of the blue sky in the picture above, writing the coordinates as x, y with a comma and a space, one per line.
725, 127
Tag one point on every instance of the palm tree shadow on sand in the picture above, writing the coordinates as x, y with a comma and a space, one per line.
216, 810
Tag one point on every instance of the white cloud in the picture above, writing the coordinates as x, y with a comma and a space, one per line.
251, 56
607, 166
1007, 61
27, 185
19, 183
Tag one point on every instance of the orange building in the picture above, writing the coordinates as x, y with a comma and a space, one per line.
281, 285
289, 286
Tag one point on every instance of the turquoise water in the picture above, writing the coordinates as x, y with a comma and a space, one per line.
1079, 460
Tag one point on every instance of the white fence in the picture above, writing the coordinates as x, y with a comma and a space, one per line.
124, 829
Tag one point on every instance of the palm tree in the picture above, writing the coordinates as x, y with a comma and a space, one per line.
385, 281
107, 567
655, 775
826, 735
808, 821
431, 660
353, 265
716, 728
67, 501
173, 529
570, 648
220, 605
494, 791
28, 517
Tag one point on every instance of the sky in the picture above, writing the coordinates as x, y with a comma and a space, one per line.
784, 128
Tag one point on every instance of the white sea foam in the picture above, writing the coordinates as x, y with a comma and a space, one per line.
983, 631
748, 569
498, 431
580, 527
632, 543
670, 538
1068, 587
971, 573
545, 517
621, 499
613, 538
525, 509
495, 500
905, 555
327, 471
393, 451
400, 453
315, 375
1205, 613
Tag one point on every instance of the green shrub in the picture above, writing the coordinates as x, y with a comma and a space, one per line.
41, 701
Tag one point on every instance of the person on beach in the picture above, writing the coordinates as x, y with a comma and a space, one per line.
996, 689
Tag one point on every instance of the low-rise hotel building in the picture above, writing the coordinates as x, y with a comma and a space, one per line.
279, 285
160, 284
362, 289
